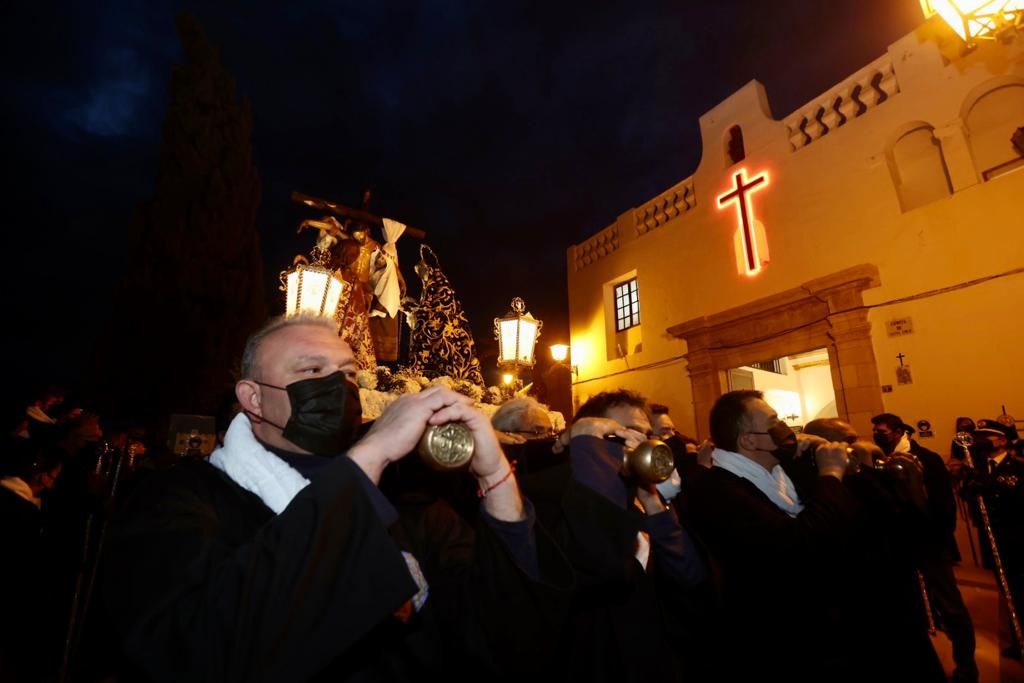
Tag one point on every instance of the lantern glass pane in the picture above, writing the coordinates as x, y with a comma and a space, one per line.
293, 292
527, 338
314, 282
559, 352
333, 296
507, 340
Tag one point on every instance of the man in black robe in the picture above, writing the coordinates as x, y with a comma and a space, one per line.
280, 559
882, 592
772, 545
637, 568
938, 545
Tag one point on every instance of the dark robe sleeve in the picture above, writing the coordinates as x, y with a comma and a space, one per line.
204, 583
496, 612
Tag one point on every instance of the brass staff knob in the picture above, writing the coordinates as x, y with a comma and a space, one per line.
446, 447
651, 462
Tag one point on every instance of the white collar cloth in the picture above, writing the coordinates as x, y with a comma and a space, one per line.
256, 469
775, 484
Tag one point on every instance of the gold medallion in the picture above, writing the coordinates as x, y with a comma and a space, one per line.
447, 447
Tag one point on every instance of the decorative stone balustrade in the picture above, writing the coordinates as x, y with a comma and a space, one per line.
596, 247
862, 91
674, 202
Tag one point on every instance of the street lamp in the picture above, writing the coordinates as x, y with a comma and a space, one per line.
975, 20
560, 354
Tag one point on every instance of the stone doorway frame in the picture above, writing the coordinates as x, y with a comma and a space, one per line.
827, 312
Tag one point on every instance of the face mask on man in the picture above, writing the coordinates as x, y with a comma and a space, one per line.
326, 413
784, 439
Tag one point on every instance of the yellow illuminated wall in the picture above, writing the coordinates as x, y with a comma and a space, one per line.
841, 193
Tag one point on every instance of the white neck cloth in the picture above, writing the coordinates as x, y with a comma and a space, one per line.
775, 484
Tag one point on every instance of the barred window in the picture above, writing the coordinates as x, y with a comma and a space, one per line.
627, 306
774, 365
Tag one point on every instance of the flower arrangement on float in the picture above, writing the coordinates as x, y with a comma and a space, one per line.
379, 387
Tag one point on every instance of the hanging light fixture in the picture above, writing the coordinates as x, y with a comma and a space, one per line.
975, 20
517, 334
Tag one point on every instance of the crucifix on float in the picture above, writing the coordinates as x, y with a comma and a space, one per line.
753, 245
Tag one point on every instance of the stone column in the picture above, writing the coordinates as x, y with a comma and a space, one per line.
854, 372
706, 380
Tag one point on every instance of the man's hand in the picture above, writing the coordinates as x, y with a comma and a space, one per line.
807, 443
602, 427
489, 464
398, 430
832, 459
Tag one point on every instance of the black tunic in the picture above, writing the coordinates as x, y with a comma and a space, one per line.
626, 622
206, 583
773, 574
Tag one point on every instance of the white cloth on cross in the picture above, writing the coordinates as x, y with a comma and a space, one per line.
386, 287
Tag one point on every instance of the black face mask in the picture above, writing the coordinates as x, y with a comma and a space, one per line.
326, 414
784, 439
883, 442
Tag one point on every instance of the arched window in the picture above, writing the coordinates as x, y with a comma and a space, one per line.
734, 151
918, 168
991, 123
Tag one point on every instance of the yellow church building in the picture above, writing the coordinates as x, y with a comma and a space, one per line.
862, 254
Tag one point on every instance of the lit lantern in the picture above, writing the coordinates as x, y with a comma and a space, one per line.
517, 335
560, 354
976, 19
312, 289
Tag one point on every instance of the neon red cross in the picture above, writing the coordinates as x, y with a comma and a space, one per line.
741, 195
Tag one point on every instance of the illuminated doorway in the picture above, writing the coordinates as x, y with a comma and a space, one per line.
798, 387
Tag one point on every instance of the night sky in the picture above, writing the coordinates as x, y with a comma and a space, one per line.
507, 130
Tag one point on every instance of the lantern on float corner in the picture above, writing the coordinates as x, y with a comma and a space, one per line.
975, 20
517, 334
312, 289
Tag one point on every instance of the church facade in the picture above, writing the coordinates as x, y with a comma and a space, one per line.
875, 237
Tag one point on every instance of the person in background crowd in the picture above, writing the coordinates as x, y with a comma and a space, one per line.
939, 548
41, 411
1001, 482
27, 636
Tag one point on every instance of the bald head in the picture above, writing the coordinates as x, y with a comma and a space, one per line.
831, 429
252, 354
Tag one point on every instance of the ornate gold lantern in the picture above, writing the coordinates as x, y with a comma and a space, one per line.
312, 288
517, 334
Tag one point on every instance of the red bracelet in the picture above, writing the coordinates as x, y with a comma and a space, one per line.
482, 493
